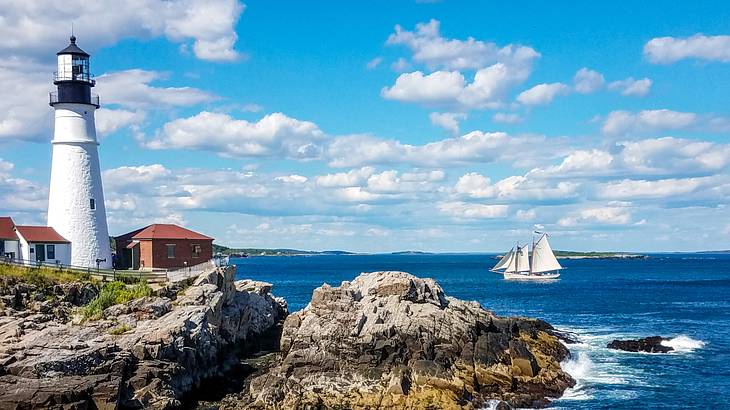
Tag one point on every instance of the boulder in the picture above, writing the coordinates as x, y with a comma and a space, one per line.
147, 353
392, 340
652, 344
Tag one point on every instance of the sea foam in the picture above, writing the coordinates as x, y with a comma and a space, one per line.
683, 343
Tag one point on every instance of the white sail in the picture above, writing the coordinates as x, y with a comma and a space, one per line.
520, 262
543, 258
505, 261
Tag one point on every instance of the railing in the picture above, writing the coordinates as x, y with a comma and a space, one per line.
53, 99
105, 275
89, 78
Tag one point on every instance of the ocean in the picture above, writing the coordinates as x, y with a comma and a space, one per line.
682, 296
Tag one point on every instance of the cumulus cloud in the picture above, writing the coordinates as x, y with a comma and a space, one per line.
647, 121
465, 210
507, 118
110, 120
447, 120
430, 48
613, 214
344, 179
631, 87
32, 28
496, 69
374, 63
514, 188
665, 156
19, 194
131, 88
667, 50
587, 81
542, 94
628, 189
273, 135
476, 146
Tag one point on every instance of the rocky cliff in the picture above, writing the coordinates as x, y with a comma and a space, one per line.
391, 340
145, 353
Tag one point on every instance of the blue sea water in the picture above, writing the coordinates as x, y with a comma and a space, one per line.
685, 297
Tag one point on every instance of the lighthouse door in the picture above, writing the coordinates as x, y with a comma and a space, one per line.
40, 252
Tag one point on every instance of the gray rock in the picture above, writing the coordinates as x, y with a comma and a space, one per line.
392, 340
166, 350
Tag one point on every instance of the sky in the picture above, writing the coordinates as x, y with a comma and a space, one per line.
448, 126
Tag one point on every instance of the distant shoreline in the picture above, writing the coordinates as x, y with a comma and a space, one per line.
279, 252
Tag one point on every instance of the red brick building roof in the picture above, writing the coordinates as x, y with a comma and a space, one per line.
7, 229
41, 234
166, 231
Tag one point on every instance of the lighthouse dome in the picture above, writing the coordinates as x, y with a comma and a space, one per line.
72, 48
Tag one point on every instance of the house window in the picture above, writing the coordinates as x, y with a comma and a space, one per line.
171, 251
197, 250
92, 204
51, 251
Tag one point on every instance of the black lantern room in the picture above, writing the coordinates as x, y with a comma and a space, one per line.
73, 80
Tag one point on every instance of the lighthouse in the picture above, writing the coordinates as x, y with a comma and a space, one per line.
76, 198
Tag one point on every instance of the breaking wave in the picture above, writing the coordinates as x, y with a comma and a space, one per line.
683, 343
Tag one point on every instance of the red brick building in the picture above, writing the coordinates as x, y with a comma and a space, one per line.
162, 246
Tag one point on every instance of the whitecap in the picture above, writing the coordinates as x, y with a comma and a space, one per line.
683, 343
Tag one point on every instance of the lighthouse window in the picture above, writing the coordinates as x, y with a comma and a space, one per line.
92, 204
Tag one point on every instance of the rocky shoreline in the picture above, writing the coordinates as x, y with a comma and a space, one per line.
383, 340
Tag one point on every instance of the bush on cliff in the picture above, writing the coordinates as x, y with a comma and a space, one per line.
114, 293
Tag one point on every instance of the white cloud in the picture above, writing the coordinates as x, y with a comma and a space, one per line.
354, 177
465, 210
507, 118
450, 88
628, 189
111, 120
273, 135
648, 157
430, 48
542, 94
437, 87
131, 88
667, 50
32, 28
496, 69
374, 63
622, 122
631, 87
476, 146
292, 179
515, 188
447, 120
400, 65
613, 214
587, 81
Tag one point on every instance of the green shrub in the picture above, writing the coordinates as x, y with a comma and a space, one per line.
114, 293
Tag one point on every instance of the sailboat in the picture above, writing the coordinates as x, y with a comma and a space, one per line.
517, 263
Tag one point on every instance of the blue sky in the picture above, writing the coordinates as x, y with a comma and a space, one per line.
380, 126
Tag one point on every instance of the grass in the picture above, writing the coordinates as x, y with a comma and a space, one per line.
123, 328
42, 276
113, 293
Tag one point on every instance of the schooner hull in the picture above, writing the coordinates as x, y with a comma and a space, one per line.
520, 276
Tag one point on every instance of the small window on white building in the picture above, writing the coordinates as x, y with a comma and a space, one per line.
171, 251
51, 251
92, 204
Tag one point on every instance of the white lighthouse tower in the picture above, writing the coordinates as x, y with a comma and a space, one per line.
76, 199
